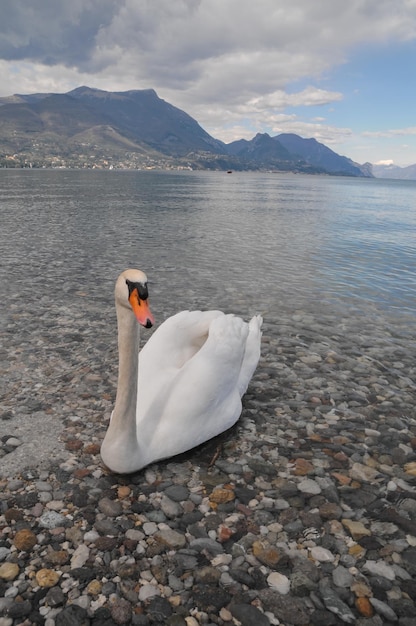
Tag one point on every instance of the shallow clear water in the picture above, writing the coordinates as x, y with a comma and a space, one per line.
245, 242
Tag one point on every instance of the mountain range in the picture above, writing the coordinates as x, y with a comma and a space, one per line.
394, 171
93, 128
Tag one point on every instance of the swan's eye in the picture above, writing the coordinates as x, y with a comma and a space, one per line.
141, 289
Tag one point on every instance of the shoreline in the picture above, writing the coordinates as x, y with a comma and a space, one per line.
304, 513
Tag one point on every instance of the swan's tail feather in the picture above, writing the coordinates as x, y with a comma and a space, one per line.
252, 353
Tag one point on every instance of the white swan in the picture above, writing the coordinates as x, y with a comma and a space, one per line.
185, 386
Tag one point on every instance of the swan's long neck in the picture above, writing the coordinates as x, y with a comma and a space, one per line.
128, 365
120, 444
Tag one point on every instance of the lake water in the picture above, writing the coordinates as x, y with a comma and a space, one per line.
330, 262
246, 242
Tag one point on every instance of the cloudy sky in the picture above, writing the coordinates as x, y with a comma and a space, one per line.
342, 71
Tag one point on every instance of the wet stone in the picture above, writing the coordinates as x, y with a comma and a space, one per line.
106, 543
13, 515
403, 607
4, 553
9, 571
409, 587
82, 574
121, 611
51, 519
110, 508
26, 500
72, 615
210, 598
21, 609
384, 610
321, 617
207, 574
301, 585
409, 560
288, 610
249, 615
309, 486
379, 568
177, 493
47, 578
342, 577
356, 529
106, 527
55, 597
170, 508
25, 540
208, 545
159, 609
266, 554
333, 603
300, 515
171, 538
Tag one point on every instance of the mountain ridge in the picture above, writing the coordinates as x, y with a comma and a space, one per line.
88, 127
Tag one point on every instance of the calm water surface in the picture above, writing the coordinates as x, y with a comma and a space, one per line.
244, 242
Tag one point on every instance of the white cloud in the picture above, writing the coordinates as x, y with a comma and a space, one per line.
396, 132
24, 77
310, 96
231, 64
207, 48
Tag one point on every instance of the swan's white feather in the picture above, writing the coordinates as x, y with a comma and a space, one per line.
192, 374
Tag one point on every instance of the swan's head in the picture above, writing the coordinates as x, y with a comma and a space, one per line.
131, 292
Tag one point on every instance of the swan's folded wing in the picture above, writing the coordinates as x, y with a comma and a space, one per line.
168, 350
189, 405
177, 339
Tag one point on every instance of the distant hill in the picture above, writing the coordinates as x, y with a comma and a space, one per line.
139, 121
265, 152
95, 128
319, 155
144, 117
290, 151
395, 172
262, 148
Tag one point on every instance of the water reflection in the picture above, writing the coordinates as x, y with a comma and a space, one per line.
246, 241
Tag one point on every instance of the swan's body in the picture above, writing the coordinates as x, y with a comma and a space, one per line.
186, 384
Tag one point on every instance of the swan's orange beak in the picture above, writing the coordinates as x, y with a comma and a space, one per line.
141, 309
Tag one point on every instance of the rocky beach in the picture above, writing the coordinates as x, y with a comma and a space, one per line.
304, 513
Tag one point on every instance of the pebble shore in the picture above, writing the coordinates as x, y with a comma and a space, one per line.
304, 513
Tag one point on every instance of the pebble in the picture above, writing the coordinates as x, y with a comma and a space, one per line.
170, 508
148, 591
342, 577
80, 556
335, 604
171, 538
248, 615
310, 486
51, 519
25, 539
47, 577
379, 568
9, 571
323, 555
13, 442
4, 553
383, 609
279, 582
303, 514
356, 529
110, 508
